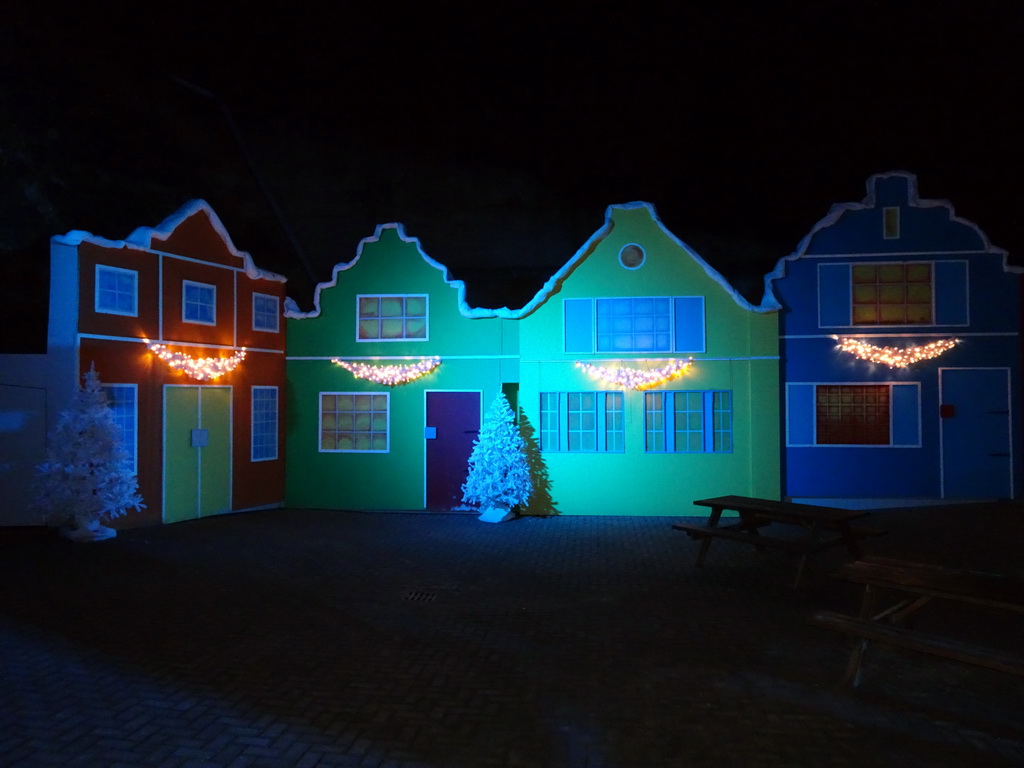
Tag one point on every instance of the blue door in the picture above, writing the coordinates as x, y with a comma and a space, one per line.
976, 441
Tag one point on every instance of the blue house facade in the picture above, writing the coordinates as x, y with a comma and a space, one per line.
901, 355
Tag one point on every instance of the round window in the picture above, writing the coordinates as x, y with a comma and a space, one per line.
631, 256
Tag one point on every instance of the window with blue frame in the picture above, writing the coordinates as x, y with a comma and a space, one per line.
897, 293
117, 291
914, 293
852, 414
582, 422
123, 402
265, 313
264, 423
886, 414
688, 422
198, 303
635, 325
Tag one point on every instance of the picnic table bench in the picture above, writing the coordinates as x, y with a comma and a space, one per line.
915, 585
823, 527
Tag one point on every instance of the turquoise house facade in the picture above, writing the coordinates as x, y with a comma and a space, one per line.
646, 379
693, 411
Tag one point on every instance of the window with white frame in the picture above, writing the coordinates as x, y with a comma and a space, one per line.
264, 423
688, 422
123, 402
391, 318
117, 290
198, 303
265, 313
354, 422
891, 223
582, 422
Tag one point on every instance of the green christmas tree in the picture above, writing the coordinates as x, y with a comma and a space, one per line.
87, 474
499, 475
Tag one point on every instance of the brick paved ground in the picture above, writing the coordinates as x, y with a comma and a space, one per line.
311, 638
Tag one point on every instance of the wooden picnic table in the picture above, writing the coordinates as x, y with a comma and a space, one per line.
915, 585
823, 527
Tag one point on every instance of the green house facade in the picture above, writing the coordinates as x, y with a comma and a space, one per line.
623, 424
640, 378
358, 440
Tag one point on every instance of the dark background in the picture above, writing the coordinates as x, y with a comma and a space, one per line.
497, 134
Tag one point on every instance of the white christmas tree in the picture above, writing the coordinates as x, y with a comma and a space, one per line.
87, 474
499, 475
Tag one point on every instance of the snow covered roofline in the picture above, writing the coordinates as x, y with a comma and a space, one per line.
869, 201
143, 237
768, 302
291, 308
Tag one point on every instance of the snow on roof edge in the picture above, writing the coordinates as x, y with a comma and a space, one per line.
913, 199
142, 237
768, 301
291, 307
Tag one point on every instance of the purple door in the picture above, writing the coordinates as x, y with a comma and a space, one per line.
453, 422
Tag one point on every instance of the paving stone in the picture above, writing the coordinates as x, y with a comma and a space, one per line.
285, 638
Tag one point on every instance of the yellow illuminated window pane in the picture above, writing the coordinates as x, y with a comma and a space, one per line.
369, 306
865, 294
890, 273
919, 273
416, 306
392, 306
391, 329
864, 315
864, 273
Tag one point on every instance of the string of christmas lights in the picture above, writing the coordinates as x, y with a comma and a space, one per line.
635, 378
199, 368
389, 375
894, 357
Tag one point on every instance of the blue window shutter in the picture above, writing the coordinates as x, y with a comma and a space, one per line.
689, 322
579, 326
800, 414
950, 293
835, 297
906, 414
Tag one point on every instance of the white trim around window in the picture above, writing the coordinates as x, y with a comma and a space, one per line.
263, 440
200, 304
354, 422
267, 317
392, 317
123, 400
116, 291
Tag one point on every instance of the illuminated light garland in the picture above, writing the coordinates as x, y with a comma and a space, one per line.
635, 378
389, 375
199, 368
894, 357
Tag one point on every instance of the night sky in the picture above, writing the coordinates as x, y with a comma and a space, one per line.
498, 135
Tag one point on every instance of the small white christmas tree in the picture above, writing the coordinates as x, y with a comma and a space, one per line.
499, 475
87, 474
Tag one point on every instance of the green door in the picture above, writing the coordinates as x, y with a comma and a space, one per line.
197, 452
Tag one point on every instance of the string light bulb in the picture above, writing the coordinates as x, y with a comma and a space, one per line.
389, 375
636, 378
199, 368
894, 357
